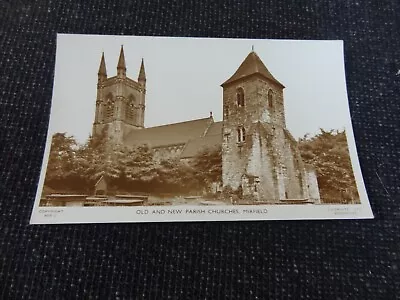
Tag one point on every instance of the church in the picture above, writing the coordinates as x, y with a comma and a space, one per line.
260, 157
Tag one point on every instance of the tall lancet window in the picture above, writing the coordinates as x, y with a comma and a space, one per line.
270, 99
130, 109
241, 134
240, 97
109, 108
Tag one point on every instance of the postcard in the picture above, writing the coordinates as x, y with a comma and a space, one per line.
162, 129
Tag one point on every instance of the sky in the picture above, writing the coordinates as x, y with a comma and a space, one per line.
184, 77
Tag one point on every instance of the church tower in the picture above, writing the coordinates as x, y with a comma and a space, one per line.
120, 103
259, 155
253, 95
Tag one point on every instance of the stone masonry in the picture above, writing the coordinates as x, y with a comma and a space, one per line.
120, 102
259, 155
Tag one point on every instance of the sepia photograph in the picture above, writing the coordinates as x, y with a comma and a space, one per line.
153, 129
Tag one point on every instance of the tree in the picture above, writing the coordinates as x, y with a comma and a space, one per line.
139, 164
329, 154
96, 158
207, 166
77, 168
61, 169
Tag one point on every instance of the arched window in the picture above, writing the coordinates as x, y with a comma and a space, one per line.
130, 108
109, 108
240, 97
241, 134
270, 99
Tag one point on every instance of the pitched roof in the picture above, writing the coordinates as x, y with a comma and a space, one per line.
100, 179
211, 140
215, 128
252, 65
195, 146
171, 134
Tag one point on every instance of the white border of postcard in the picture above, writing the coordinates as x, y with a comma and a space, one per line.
54, 215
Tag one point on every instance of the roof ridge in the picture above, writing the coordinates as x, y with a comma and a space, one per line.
178, 123
205, 136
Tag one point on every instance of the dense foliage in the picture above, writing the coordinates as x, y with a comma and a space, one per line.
329, 154
74, 168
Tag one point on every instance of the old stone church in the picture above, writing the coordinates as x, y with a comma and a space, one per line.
259, 155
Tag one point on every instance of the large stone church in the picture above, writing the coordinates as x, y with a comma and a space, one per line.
259, 155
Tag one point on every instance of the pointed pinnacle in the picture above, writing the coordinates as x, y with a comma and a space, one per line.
102, 68
142, 72
121, 60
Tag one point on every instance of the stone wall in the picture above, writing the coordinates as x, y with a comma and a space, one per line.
274, 168
256, 109
256, 106
294, 172
260, 177
234, 160
114, 97
312, 184
267, 165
